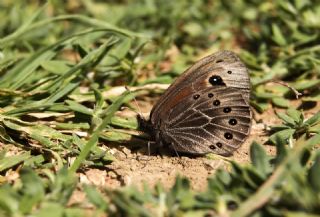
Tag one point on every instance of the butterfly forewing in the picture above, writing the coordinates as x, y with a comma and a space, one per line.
206, 109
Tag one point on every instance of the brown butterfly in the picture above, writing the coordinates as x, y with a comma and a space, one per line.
206, 109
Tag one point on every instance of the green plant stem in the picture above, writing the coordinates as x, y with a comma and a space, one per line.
95, 136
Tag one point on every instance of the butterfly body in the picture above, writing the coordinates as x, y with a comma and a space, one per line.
206, 109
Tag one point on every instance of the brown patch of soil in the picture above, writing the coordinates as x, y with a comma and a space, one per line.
136, 168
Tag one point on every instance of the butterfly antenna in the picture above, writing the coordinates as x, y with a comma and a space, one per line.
135, 102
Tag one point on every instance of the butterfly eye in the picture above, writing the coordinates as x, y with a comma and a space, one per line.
219, 144
227, 110
216, 102
229, 72
219, 61
210, 95
212, 147
233, 121
196, 96
216, 80
228, 136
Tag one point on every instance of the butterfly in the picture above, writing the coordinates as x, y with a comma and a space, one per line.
206, 109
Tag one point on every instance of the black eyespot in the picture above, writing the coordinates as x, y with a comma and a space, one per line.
210, 95
219, 144
229, 72
212, 147
196, 96
219, 61
216, 80
216, 102
233, 121
232, 205
227, 110
228, 136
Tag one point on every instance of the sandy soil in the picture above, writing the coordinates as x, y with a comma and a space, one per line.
138, 168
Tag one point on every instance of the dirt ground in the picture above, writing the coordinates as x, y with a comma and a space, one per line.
138, 168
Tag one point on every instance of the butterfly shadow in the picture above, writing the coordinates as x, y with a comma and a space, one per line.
143, 146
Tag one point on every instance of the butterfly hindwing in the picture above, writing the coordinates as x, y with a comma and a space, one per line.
208, 126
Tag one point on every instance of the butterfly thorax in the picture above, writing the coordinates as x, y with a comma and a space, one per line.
151, 129
147, 126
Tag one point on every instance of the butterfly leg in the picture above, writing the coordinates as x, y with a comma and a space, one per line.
175, 150
149, 142
146, 158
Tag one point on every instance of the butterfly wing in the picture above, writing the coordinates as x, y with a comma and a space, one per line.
193, 114
218, 123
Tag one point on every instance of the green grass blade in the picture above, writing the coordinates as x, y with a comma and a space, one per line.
94, 137
11, 161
